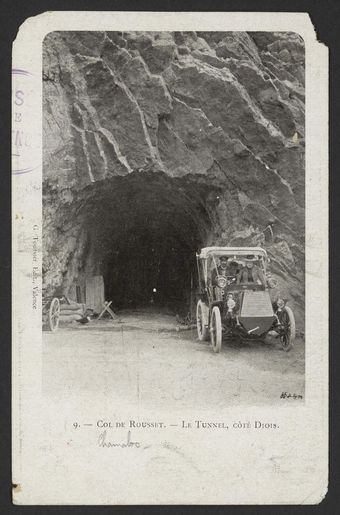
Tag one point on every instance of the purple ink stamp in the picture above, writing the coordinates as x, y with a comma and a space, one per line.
25, 142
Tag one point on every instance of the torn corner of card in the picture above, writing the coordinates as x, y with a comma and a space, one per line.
170, 292
16, 491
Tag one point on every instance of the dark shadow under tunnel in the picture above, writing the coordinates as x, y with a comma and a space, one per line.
144, 231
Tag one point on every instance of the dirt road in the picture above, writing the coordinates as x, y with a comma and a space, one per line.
144, 358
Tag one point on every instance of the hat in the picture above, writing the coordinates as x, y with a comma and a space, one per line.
223, 258
251, 257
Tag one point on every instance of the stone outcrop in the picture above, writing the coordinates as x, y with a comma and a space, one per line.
213, 122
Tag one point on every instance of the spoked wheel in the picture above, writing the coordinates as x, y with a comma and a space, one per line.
216, 329
54, 314
202, 321
288, 335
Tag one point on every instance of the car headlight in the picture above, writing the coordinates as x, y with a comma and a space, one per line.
280, 303
221, 281
231, 304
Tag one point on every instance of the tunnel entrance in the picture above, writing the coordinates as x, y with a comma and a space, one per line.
150, 270
144, 230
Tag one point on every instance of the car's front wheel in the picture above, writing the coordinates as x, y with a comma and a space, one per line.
216, 329
288, 328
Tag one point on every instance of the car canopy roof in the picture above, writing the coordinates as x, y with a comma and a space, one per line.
232, 251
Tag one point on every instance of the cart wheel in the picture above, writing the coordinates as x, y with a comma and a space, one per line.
216, 329
53, 315
202, 321
288, 322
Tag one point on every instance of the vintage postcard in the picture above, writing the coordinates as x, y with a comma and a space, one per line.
170, 263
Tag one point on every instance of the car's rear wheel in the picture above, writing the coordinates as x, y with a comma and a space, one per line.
202, 321
216, 329
288, 334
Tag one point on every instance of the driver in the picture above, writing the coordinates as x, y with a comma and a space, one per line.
251, 273
227, 267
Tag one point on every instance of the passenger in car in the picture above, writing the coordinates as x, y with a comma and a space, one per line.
251, 273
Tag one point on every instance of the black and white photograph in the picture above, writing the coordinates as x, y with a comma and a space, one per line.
173, 216
169, 176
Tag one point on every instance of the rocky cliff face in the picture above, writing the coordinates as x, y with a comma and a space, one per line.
198, 137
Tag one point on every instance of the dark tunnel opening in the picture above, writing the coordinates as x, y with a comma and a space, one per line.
150, 271
144, 230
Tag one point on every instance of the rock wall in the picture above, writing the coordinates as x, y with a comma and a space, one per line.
221, 110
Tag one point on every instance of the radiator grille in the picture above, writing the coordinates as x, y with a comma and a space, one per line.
256, 304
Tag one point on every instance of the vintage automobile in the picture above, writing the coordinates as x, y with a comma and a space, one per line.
233, 303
